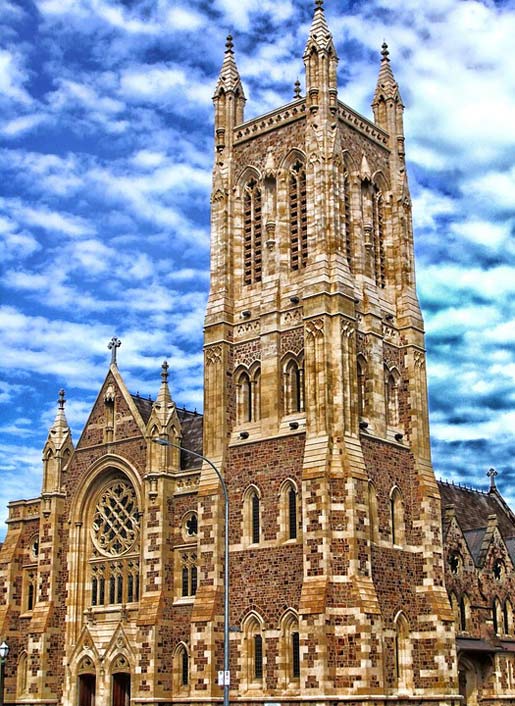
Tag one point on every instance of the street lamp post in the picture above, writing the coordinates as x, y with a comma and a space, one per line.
4, 651
227, 676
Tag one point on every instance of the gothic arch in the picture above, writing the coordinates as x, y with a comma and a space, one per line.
253, 651
22, 674
247, 173
362, 380
403, 653
380, 180
181, 667
292, 367
289, 510
397, 518
248, 393
252, 511
289, 649
391, 386
291, 157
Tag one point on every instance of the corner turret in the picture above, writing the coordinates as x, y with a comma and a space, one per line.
229, 98
321, 61
57, 450
163, 425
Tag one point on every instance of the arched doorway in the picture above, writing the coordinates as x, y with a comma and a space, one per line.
87, 688
121, 689
468, 682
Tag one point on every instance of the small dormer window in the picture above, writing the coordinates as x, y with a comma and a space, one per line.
455, 563
498, 569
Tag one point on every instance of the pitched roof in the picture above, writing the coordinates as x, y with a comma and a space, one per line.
192, 425
473, 507
144, 406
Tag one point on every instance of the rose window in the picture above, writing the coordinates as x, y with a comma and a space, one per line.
116, 518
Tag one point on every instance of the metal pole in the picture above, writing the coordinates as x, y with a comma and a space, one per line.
164, 442
2, 676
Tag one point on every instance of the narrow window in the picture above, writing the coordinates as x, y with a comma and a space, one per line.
346, 219
184, 668
362, 380
101, 591
258, 657
295, 655
378, 226
397, 517
253, 235
30, 598
94, 589
130, 588
193, 580
185, 581
112, 589
255, 519
119, 589
298, 217
292, 514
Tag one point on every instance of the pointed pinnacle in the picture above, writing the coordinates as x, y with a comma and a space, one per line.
384, 52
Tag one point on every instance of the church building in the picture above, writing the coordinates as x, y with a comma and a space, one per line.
354, 577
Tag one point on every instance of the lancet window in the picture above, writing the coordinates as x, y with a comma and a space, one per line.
252, 516
289, 514
253, 652
252, 233
293, 385
290, 648
248, 395
378, 239
391, 386
114, 560
298, 216
397, 517
362, 385
188, 573
346, 204
403, 655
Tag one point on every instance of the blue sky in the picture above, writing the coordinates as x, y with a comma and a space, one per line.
105, 171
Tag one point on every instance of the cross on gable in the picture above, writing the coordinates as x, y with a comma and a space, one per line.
113, 344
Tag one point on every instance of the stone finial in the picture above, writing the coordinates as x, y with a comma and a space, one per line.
384, 52
296, 89
61, 401
113, 344
319, 4
492, 473
164, 371
229, 45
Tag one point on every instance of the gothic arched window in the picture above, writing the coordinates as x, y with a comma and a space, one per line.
253, 651
403, 654
289, 511
397, 517
497, 616
508, 617
378, 238
392, 396
252, 233
252, 516
248, 395
298, 216
114, 560
290, 649
293, 386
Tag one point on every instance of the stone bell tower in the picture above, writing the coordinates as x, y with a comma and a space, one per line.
315, 380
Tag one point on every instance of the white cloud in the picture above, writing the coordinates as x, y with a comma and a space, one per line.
17, 126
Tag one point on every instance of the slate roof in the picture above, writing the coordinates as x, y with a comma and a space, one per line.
144, 406
192, 424
473, 507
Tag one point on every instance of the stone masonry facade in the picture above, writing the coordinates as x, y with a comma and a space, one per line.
354, 576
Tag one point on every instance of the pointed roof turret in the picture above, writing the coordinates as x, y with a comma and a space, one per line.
319, 34
229, 77
59, 430
164, 398
387, 86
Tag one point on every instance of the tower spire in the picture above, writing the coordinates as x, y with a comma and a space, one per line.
164, 398
59, 429
229, 97
387, 86
320, 60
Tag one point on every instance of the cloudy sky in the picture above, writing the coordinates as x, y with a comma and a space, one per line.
105, 159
